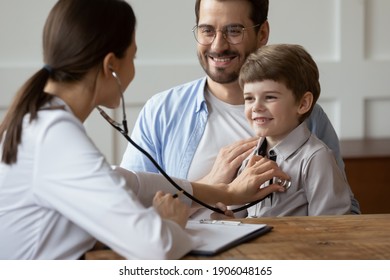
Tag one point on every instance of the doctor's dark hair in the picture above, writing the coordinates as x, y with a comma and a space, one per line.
289, 64
259, 11
77, 35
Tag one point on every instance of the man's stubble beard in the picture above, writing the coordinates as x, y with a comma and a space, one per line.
221, 77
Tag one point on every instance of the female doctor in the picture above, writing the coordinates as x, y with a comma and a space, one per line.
58, 194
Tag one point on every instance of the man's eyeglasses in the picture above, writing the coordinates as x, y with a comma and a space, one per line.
233, 34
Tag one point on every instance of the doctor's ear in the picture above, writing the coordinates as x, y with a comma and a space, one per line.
109, 64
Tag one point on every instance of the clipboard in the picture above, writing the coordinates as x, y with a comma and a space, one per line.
220, 235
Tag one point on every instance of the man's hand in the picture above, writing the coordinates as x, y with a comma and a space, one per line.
228, 160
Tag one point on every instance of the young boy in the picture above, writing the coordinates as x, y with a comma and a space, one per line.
281, 86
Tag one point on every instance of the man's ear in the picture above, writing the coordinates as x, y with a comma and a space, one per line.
263, 34
305, 103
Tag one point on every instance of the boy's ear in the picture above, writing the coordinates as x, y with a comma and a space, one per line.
305, 103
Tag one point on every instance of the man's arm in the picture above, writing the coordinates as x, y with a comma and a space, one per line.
320, 125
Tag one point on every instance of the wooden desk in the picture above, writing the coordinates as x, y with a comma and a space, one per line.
301, 238
367, 165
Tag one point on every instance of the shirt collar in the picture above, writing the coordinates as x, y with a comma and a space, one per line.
292, 142
201, 100
289, 145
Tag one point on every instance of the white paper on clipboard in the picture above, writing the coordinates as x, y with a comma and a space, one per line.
218, 236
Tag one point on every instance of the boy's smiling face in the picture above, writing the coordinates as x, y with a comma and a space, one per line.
271, 109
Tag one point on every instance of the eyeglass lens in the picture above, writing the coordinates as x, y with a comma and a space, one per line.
233, 34
205, 34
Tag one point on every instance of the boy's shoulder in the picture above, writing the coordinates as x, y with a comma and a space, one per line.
301, 140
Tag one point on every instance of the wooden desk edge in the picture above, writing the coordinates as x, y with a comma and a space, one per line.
274, 221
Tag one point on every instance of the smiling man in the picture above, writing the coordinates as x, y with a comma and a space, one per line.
198, 130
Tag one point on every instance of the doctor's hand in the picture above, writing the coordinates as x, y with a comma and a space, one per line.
171, 208
246, 187
228, 161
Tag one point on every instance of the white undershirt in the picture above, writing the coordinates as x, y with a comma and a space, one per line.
226, 124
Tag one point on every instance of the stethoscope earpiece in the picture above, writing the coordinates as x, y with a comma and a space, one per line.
113, 73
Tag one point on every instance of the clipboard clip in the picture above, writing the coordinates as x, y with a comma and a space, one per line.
220, 222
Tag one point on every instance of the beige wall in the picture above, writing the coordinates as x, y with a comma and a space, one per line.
348, 38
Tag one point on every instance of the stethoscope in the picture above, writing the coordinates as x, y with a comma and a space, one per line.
123, 129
